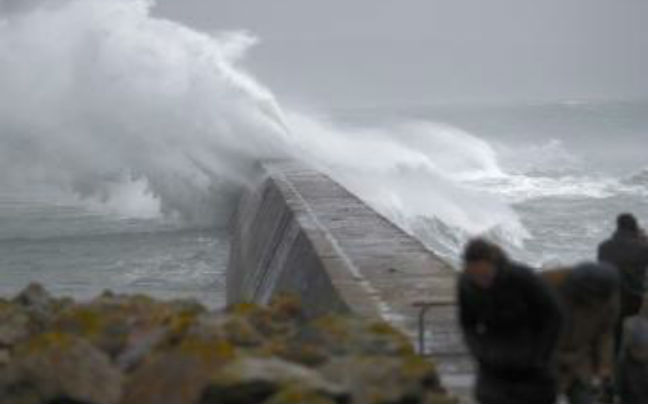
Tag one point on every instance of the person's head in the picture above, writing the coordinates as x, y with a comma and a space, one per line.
591, 282
627, 222
481, 260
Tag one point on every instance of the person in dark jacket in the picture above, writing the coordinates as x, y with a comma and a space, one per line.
511, 322
632, 373
627, 250
589, 293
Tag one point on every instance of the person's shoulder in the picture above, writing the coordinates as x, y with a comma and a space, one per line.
520, 269
607, 249
606, 243
521, 273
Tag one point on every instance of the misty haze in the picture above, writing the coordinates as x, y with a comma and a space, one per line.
130, 130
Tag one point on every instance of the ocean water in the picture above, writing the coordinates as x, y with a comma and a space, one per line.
565, 198
125, 144
567, 170
80, 249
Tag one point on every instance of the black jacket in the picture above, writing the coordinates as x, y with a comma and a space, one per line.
513, 326
628, 251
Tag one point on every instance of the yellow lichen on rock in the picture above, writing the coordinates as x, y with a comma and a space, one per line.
56, 366
135, 349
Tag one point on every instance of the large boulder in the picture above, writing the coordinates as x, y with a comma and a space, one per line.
236, 329
40, 305
253, 380
15, 324
34, 296
178, 375
388, 379
281, 318
135, 349
116, 324
56, 367
314, 343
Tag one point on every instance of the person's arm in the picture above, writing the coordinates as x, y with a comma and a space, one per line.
477, 337
645, 253
468, 322
484, 349
600, 254
604, 344
546, 309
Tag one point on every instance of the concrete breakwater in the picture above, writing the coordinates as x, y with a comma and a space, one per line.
300, 232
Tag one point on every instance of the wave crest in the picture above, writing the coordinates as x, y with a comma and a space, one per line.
99, 93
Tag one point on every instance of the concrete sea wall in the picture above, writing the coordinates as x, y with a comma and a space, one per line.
300, 232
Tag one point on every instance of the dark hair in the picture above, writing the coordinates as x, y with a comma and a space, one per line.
627, 221
482, 250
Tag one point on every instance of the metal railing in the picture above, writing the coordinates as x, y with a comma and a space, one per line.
424, 307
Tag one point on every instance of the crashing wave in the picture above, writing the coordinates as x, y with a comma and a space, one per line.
122, 105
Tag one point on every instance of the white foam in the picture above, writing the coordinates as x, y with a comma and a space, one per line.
146, 115
549, 158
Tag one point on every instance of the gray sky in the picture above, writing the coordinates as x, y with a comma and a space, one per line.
367, 52
376, 52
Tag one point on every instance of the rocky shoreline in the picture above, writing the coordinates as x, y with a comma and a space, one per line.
135, 349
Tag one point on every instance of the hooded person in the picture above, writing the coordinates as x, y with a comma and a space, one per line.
589, 295
627, 250
511, 322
